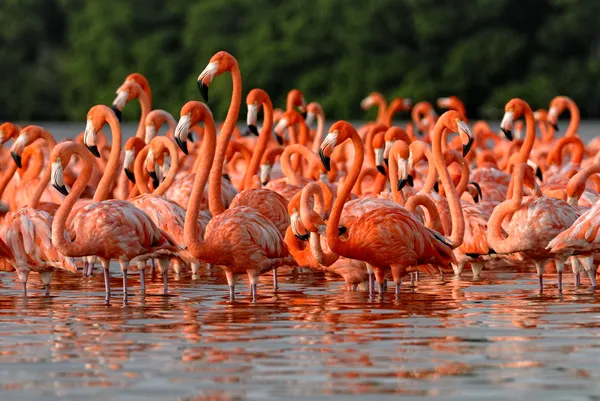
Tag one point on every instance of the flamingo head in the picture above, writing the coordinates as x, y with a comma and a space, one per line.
536, 169
557, 106
27, 136
133, 146
452, 122
295, 99
298, 228
474, 189
400, 154
154, 120
142, 81
313, 110
513, 110
219, 63
191, 114
255, 99
265, 173
96, 119
127, 92
8, 131
289, 118
379, 148
60, 158
444, 102
338, 133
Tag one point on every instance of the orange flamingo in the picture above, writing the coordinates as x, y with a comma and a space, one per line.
370, 236
240, 239
110, 229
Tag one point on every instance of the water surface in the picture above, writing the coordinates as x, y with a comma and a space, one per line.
452, 339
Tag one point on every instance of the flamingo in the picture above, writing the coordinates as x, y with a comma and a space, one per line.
109, 229
371, 235
240, 239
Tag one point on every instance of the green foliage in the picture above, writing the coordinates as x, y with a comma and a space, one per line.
60, 57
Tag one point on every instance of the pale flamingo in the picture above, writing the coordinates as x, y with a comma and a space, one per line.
240, 239
375, 99
371, 235
315, 110
110, 229
453, 103
532, 223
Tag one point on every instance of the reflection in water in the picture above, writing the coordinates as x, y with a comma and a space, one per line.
450, 339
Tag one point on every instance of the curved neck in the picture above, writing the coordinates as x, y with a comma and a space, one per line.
7, 176
261, 145
35, 199
214, 198
495, 236
191, 229
529, 136
434, 222
575, 119
286, 161
320, 133
59, 239
577, 183
419, 151
170, 178
333, 238
138, 170
35, 165
458, 222
114, 159
145, 106
381, 109
397, 195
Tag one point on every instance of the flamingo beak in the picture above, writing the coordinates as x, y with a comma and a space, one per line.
94, 150
342, 230
328, 142
62, 189
182, 132
57, 179
252, 128
381, 169
117, 112
436, 187
479, 195
203, 90
130, 175
538, 174
409, 180
226, 176
555, 126
464, 131
506, 124
401, 184
17, 158
154, 176
182, 145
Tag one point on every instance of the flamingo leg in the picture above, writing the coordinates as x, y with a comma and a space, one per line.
588, 265
46, 278
231, 280
91, 262
124, 271
539, 266
253, 277
152, 269
577, 279
560, 266
142, 268
195, 269
163, 264
417, 277
84, 272
592, 275
23, 276
275, 280
458, 268
398, 289
412, 279
105, 267
476, 268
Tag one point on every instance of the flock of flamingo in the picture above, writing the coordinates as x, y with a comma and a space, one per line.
379, 203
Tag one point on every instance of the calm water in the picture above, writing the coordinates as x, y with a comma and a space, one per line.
451, 340
455, 339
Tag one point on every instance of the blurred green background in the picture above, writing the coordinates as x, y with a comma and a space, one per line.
59, 57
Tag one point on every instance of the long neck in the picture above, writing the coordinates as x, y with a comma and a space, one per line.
170, 178
577, 183
458, 222
397, 194
35, 199
575, 118
114, 160
431, 170
145, 105
138, 170
35, 166
214, 198
434, 222
191, 231
261, 145
529, 136
323, 257
286, 161
8, 175
59, 240
381, 109
495, 238
333, 238
320, 133
298, 249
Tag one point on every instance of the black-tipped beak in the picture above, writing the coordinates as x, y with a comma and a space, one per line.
342, 230
410, 181
94, 150
381, 169
325, 160
130, 175
302, 237
252, 128
62, 189
117, 113
154, 177
467, 147
436, 187
203, 90
17, 158
421, 133
479, 194
401, 184
538, 174
387, 162
227, 177
279, 139
304, 114
555, 126
508, 134
182, 145
264, 183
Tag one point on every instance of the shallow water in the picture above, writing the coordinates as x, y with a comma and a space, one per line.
451, 339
